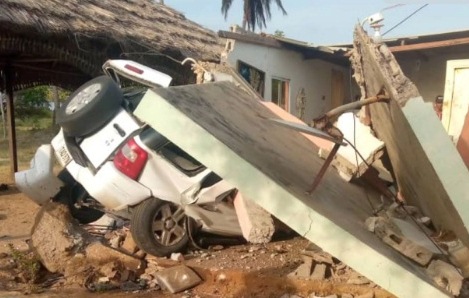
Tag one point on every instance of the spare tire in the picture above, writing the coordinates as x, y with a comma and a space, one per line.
91, 106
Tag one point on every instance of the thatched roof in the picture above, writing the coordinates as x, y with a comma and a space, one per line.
77, 36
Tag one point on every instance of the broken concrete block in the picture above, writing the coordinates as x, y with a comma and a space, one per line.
76, 269
177, 279
408, 248
115, 242
366, 295
303, 271
56, 237
129, 245
356, 279
318, 257
361, 137
370, 223
446, 276
177, 256
256, 224
410, 231
459, 255
110, 269
319, 272
390, 233
99, 254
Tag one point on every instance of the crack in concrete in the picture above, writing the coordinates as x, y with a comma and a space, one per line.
310, 224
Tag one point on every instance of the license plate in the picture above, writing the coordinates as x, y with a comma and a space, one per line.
63, 156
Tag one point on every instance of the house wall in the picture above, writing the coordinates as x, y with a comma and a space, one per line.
428, 73
312, 75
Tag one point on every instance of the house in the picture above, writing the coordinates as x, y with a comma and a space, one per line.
279, 67
303, 79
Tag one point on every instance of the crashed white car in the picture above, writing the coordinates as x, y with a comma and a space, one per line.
114, 163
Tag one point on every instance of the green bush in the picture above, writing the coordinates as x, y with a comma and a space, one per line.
32, 103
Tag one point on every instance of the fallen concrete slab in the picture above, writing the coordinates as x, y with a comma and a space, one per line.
429, 171
225, 129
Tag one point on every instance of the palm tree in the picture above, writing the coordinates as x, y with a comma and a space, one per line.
255, 12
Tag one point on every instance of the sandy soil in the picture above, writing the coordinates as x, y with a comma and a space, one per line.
228, 271
16, 218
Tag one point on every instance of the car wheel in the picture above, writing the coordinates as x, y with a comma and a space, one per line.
90, 107
159, 227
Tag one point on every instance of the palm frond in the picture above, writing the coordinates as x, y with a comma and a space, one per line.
225, 6
280, 6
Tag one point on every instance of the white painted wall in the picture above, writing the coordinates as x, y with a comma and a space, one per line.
313, 75
428, 74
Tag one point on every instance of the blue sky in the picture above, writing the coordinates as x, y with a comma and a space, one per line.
331, 22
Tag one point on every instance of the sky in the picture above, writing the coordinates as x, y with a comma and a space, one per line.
322, 22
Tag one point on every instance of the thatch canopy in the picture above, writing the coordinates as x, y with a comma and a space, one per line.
65, 42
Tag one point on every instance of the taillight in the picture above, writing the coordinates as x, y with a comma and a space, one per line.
131, 159
134, 69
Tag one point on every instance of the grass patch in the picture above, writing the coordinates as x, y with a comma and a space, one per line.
27, 263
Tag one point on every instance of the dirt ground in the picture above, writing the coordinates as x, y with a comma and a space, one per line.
228, 271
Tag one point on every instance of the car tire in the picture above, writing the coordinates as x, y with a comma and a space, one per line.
159, 227
90, 107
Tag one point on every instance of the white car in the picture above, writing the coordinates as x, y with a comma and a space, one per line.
114, 163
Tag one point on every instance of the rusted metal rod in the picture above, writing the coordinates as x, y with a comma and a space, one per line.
324, 167
356, 105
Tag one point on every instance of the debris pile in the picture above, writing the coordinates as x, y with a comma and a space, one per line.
110, 260
319, 265
406, 230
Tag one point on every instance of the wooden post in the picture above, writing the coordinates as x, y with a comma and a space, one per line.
11, 121
56, 104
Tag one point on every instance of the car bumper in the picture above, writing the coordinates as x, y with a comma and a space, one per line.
39, 182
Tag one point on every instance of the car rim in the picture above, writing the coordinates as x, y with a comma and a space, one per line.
169, 225
83, 98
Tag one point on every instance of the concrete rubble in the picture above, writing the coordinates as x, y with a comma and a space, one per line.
100, 267
64, 247
245, 146
447, 276
390, 234
256, 224
177, 279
